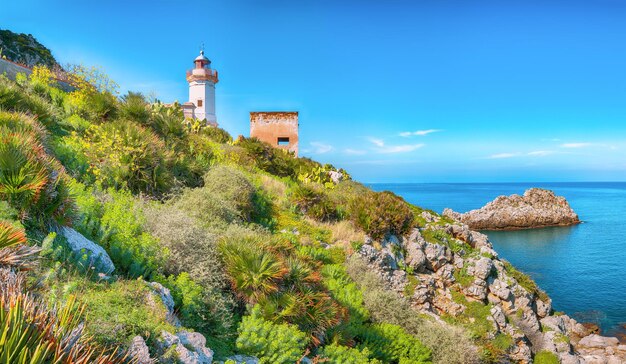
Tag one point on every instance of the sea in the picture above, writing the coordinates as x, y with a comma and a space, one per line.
581, 267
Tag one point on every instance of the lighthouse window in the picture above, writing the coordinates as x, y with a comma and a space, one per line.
283, 141
199, 103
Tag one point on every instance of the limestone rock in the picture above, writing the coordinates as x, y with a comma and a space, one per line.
98, 257
597, 341
436, 256
500, 289
190, 347
335, 176
536, 208
482, 268
168, 302
139, 351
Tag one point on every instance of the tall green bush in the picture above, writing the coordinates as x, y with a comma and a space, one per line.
381, 213
271, 343
391, 343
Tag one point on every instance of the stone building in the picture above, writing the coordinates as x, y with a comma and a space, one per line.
278, 128
202, 80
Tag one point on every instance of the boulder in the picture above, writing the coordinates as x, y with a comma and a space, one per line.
500, 289
168, 302
190, 347
98, 257
436, 256
139, 351
597, 341
536, 208
481, 268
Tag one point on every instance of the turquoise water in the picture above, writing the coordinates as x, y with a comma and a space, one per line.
582, 267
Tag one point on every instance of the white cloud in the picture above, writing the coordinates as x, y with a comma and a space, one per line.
381, 147
400, 148
419, 132
576, 145
320, 148
354, 151
535, 153
503, 155
540, 153
378, 142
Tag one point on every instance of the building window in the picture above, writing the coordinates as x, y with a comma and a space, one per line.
199, 103
283, 141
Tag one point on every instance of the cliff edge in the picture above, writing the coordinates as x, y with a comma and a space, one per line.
536, 208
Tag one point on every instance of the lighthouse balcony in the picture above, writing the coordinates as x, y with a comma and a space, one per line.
202, 74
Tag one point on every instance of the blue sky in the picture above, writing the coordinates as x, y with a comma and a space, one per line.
406, 91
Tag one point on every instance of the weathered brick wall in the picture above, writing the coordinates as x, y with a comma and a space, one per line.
270, 126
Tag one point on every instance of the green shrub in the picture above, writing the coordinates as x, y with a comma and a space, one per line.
339, 354
193, 264
345, 291
117, 312
390, 343
271, 343
167, 121
15, 98
123, 154
314, 204
134, 107
381, 213
116, 222
207, 312
546, 357
230, 185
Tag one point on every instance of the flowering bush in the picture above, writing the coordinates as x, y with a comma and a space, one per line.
124, 154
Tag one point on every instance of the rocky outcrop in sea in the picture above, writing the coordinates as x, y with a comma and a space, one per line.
536, 208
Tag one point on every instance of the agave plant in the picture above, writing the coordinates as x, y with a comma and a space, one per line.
254, 273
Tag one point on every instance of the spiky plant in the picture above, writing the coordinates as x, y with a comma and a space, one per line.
253, 273
299, 274
31, 181
13, 251
34, 334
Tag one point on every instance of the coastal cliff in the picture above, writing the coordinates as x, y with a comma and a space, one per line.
536, 208
171, 242
450, 272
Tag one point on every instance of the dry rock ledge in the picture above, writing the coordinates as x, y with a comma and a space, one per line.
536, 208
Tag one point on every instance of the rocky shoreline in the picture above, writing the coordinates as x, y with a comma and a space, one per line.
535, 209
464, 261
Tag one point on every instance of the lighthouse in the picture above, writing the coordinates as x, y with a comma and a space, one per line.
202, 80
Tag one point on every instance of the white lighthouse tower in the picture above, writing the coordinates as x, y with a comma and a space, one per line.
202, 80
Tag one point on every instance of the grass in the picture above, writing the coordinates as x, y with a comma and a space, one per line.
409, 289
525, 281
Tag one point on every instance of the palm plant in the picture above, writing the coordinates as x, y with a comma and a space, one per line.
299, 274
13, 251
254, 273
31, 181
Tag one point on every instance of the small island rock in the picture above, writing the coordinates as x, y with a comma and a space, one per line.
536, 208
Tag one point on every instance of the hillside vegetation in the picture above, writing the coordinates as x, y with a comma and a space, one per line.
256, 247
